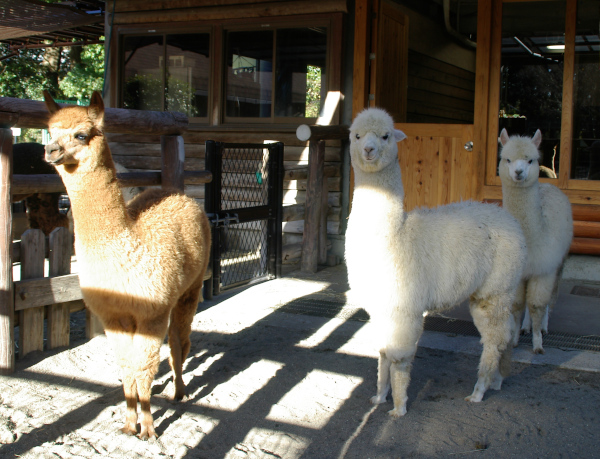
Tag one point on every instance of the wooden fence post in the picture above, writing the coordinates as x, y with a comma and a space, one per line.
31, 320
173, 157
312, 215
7, 311
59, 261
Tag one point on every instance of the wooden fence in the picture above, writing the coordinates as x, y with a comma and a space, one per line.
34, 296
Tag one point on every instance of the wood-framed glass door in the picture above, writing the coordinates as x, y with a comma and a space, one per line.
544, 74
406, 63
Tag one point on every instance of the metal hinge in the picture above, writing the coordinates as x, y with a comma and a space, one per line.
224, 221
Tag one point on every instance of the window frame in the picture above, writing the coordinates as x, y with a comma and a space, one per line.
217, 31
576, 187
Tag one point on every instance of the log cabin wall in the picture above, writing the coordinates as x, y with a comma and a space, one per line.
141, 153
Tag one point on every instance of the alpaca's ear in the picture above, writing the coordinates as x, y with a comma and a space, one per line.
503, 136
537, 138
96, 108
50, 104
399, 135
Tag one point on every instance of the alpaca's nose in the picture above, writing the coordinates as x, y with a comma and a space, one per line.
368, 149
519, 172
53, 153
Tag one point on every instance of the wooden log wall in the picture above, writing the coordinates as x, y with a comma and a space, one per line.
142, 153
438, 92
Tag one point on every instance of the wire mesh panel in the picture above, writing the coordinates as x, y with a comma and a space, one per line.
244, 202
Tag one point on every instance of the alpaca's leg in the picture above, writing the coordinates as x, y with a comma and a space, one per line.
539, 295
119, 331
179, 334
383, 379
400, 376
517, 312
130, 391
493, 320
146, 343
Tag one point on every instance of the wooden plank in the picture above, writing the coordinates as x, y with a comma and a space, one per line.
173, 157
360, 71
59, 262
241, 11
7, 338
585, 246
586, 229
586, 213
567, 115
31, 321
34, 114
313, 205
31, 293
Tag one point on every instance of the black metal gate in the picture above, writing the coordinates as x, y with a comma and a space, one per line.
244, 204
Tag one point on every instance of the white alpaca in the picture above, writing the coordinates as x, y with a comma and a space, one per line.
401, 265
547, 221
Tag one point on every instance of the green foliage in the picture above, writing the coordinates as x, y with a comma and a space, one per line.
26, 75
144, 92
22, 76
87, 76
313, 91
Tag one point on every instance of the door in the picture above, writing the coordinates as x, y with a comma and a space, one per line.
430, 98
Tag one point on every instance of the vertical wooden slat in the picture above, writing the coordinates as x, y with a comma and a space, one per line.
566, 131
312, 213
59, 264
482, 77
31, 321
7, 339
323, 220
173, 157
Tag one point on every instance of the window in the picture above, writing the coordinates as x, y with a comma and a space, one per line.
276, 74
167, 72
267, 73
531, 74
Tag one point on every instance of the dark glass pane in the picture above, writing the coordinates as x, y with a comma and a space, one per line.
143, 73
301, 72
585, 162
188, 71
249, 58
531, 83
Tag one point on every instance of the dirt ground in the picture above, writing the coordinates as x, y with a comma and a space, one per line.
267, 384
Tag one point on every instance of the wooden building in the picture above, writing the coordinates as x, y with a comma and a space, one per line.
452, 72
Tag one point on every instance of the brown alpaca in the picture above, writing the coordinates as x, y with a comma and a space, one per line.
141, 266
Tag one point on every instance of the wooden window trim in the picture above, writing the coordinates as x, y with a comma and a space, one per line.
579, 191
217, 28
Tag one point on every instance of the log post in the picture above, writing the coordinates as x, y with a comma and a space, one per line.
31, 320
173, 156
312, 217
7, 319
59, 263
323, 221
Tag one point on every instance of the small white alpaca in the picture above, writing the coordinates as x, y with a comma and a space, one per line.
141, 265
547, 221
401, 265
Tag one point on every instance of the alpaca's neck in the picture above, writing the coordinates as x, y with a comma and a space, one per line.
379, 197
524, 204
97, 203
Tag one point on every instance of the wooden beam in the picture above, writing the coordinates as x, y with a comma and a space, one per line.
312, 221
34, 114
237, 11
7, 340
40, 291
173, 156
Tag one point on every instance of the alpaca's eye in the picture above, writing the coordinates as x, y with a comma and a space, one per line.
530, 161
81, 137
385, 137
508, 160
357, 136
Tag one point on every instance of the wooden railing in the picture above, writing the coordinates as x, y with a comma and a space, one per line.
36, 293
314, 238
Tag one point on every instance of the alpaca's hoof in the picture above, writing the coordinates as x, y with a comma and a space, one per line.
538, 350
397, 412
129, 429
474, 398
147, 433
378, 400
